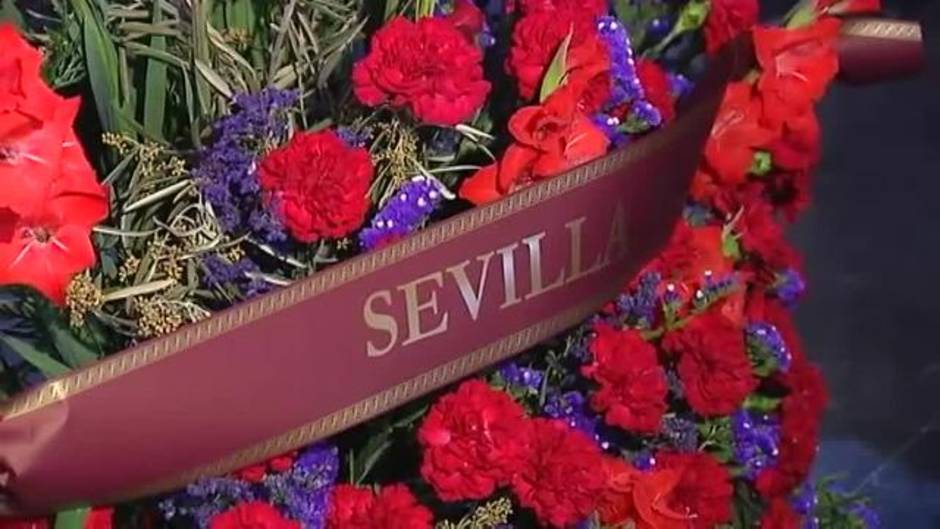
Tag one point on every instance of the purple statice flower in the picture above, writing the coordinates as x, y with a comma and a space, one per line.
523, 377
681, 85
643, 116
682, 433
698, 214
804, 503
220, 272
304, 491
353, 138
226, 171
756, 441
625, 86
765, 341
572, 407
641, 305
610, 125
789, 286
866, 515
404, 212
204, 499
644, 461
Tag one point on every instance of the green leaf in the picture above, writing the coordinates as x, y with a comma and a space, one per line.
391, 8
42, 361
72, 519
156, 85
10, 13
557, 71
101, 60
72, 350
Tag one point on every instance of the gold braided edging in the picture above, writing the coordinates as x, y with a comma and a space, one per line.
383, 401
879, 28
109, 368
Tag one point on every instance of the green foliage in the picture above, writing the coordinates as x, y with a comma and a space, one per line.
72, 519
34, 330
557, 71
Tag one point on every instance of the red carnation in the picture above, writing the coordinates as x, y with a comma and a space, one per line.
318, 185
535, 41
428, 66
256, 473
801, 414
394, 507
779, 515
762, 234
797, 65
704, 488
593, 7
726, 20
252, 515
657, 88
738, 132
472, 443
633, 385
562, 475
713, 364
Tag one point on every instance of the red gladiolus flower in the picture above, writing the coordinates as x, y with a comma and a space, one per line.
535, 41
798, 147
427, 66
562, 475
318, 185
780, 515
713, 364
633, 385
252, 515
47, 242
394, 507
704, 488
693, 254
738, 132
472, 442
726, 20
595, 8
549, 139
641, 498
848, 7
797, 64
100, 518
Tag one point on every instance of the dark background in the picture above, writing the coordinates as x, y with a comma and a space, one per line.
872, 314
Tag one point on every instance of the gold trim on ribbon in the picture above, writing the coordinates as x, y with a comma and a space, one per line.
381, 402
153, 351
881, 28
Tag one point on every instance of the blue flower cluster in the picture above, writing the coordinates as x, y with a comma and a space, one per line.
523, 377
642, 304
221, 272
626, 87
756, 441
572, 408
226, 171
789, 286
302, 493
404, 212
765, 342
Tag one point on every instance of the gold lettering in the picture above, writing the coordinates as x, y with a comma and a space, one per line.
415, 307
380, 322
575, 231
617, 238
509, 275
471, 298
535, 267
